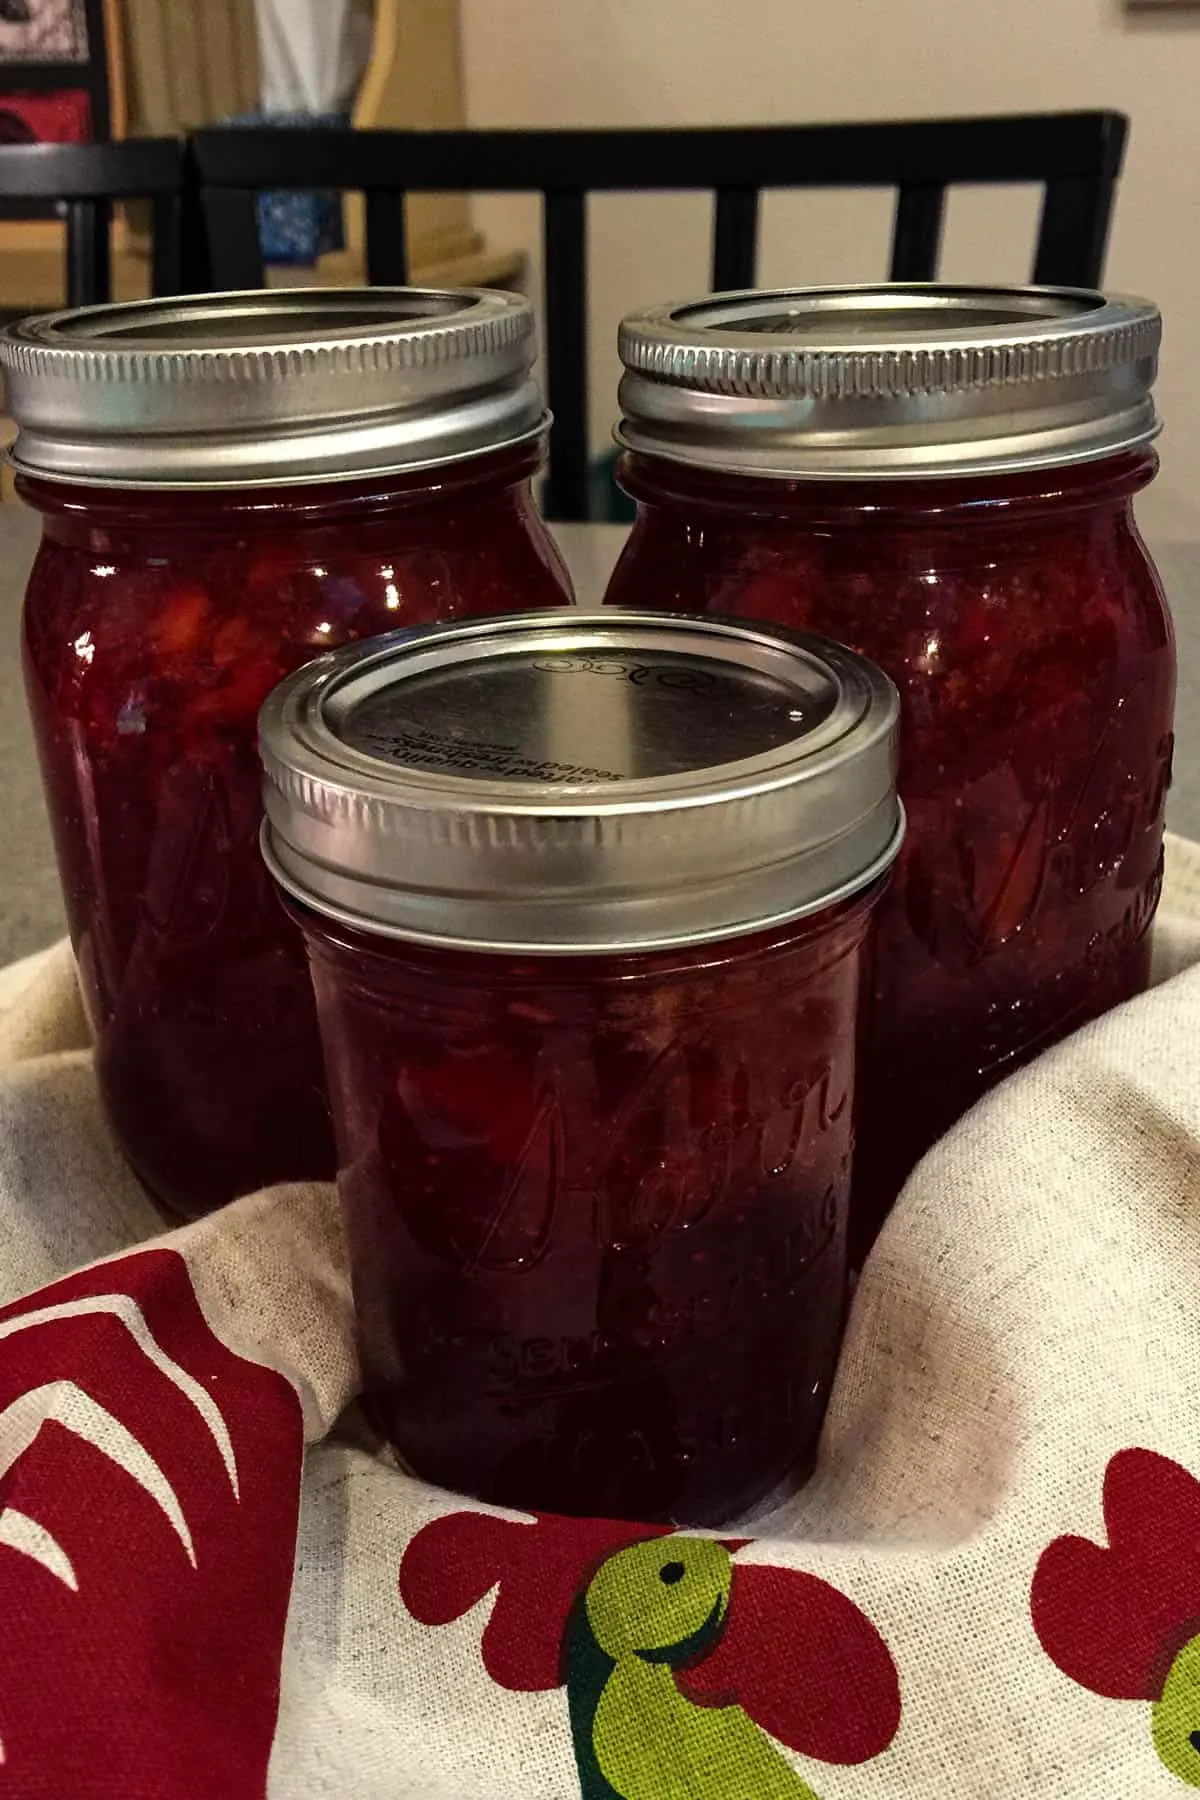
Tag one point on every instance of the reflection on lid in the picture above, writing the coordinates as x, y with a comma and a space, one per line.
266, 318
838, 314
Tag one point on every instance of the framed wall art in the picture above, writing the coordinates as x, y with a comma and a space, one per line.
43, 31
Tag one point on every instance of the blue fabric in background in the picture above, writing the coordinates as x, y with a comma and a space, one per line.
296, 225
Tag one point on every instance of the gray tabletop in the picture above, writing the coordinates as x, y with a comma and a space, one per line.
30, 904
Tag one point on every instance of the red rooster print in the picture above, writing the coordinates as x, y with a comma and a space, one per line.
149, 1491
1123, 1619
685, 1670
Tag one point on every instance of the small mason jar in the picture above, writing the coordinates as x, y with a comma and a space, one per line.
585, 903
941, 478
231, 484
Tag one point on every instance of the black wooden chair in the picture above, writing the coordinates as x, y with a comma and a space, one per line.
83, 180
1075, 156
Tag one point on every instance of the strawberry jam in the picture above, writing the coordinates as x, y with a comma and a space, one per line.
597, 1210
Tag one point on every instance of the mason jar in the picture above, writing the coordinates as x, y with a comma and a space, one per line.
585, 902
231, 484
942, 478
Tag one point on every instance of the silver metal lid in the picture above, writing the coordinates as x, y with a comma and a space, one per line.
580, 781
890, 381
278, 385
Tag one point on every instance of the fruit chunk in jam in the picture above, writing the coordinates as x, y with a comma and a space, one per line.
155, 625
1026, 629
597, 1208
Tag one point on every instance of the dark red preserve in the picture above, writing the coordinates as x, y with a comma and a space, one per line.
942, 479
587, 943
230, 486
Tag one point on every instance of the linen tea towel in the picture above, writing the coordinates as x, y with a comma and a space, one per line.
990, 1588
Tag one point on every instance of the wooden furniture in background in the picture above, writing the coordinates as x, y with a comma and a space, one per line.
1076, 156
188, 63
32, 248
86, 179
195, 62
413, 80
175, 65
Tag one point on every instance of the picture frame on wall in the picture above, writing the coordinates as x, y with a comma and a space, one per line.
43, 31
54, 80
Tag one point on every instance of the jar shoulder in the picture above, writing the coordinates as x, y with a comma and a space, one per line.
917, 597
209, 601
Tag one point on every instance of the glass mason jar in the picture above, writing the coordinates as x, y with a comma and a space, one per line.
941, 478
230, 485
585, 904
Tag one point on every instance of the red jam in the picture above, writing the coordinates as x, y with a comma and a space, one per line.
1026, 629
155, 625
597, 1208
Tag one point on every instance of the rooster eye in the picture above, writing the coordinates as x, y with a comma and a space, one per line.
674, 1571
1194, 1739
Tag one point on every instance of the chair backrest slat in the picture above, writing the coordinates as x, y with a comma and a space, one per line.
917, 233
735, 238
89, 275
167, 244
1076, 157
1073, 233
387, 245
564, 249
231, 249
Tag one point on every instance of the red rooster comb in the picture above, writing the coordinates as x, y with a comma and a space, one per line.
539, 1568
796, 1655
1114, 1619
805, 1663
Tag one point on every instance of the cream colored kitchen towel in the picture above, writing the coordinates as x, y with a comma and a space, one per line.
990, 1588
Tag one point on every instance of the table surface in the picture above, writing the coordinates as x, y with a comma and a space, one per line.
31, 906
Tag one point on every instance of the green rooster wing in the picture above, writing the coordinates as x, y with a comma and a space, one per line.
651, 1609
1176, 1715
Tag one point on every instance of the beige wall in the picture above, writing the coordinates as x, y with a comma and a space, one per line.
634, 62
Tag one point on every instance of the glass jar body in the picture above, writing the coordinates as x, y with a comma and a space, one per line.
155, 625
1024, 624
597, 1209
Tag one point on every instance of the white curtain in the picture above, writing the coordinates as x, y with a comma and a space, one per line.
313, 53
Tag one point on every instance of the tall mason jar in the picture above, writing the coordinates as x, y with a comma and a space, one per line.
231, 484
942, 478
